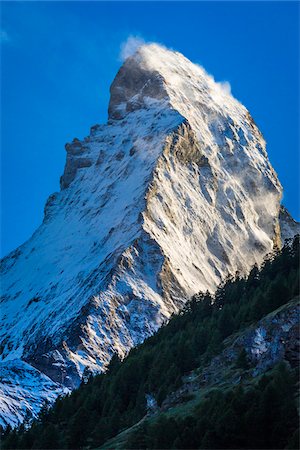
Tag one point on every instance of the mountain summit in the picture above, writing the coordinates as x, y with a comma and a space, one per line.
167, 199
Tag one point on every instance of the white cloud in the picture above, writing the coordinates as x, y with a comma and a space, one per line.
4, 37
130, 46
132, 43
225, 87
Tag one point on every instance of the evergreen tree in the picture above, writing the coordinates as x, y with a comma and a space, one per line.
78, 429
49, 438
242, 360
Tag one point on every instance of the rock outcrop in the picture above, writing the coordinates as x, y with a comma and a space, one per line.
288, 226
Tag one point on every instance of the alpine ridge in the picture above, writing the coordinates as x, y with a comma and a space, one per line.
167, 199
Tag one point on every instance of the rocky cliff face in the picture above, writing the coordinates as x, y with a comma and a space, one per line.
288, 226
167, 199
273, 339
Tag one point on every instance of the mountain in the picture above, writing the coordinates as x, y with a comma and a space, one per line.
167, 199
223, 373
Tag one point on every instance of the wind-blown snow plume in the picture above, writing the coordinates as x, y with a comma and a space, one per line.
130, 46
225, 87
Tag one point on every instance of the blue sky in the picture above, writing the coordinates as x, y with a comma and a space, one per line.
59, 58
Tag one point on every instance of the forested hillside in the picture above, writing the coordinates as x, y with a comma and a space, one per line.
257, 410
262, 416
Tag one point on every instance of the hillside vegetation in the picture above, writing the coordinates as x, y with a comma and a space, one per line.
260, 413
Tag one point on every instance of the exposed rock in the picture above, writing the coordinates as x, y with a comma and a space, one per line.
23, 391
288, 226
273, 339
133, 84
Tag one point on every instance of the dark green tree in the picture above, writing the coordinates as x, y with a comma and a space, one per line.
242, 360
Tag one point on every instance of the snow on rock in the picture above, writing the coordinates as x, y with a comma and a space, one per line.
173, 194
24, 390
288, 226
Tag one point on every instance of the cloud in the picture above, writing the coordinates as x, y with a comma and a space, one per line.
132, 43
130, 46
225, 87
4, 37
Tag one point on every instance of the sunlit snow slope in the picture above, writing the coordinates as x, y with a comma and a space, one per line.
173, 194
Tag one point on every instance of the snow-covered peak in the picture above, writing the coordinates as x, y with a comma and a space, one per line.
156, 73
137, 85
167, 199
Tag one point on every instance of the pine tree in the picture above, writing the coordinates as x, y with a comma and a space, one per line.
242, 360
49, 438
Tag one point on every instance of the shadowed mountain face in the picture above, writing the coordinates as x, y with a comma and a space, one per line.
167, 199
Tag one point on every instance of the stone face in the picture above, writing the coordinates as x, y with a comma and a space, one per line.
273, 339
72, 165
24, 389
171, 196
77, 158
131, 86
288, 226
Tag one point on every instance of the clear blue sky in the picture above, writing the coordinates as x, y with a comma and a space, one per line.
59, 58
